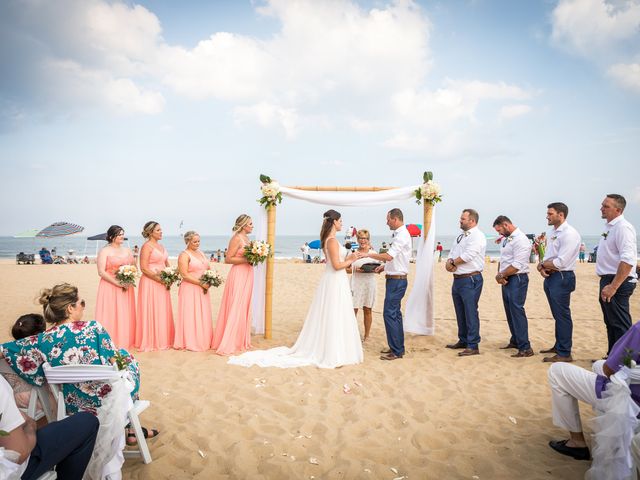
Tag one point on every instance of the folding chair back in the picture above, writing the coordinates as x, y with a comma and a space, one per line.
107, 373
37, 394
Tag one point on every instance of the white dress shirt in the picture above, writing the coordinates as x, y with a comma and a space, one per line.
400, 251
619, 245
563, 247
11, 419
515, 251
470, 246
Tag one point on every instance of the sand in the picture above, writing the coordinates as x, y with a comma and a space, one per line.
429, 415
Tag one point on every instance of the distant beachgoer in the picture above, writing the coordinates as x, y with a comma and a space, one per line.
116, 303
154, 324
439, 249
194, 325
219, 255
136, 253
582, 253
54, 252
305, 253
233, 327
45, 256
85, 259
541, 243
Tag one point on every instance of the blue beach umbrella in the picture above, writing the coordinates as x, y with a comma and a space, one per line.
59, 229
315, 244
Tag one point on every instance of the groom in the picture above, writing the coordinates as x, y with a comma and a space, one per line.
395, 269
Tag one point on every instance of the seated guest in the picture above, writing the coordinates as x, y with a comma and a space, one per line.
66, 445
45, 256
70, 340
570, 383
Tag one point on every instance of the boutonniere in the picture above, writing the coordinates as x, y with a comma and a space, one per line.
628, 360
605, 234
555, 237
467, 233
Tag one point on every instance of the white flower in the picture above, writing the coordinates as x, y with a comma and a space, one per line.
72, 356
430, 190
270, 189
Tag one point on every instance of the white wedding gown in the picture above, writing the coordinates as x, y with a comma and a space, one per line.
329, 336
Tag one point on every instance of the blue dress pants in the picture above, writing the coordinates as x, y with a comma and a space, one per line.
394, 291
466, 294
66, 444
617, 316
514, 294
558, 287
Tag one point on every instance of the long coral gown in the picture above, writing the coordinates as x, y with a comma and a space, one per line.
194, 327
154, 325
233, 328
115, 307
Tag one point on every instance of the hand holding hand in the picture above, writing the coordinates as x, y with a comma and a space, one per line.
379, 269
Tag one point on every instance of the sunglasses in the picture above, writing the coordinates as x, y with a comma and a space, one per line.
82, 303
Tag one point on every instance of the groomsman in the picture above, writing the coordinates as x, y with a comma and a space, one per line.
395, 269
563, 246
616, 265
513, 275
466, 262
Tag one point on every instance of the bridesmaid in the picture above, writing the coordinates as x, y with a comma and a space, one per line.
154, 326
194, 328
115, 303
233, 328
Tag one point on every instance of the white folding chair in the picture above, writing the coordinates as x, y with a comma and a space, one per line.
37, 394
105, 373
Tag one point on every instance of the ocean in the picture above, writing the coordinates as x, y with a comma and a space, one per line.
287, 246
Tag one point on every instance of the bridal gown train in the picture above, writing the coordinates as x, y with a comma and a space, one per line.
329, 336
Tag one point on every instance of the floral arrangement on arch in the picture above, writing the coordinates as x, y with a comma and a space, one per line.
429, 191
271, 194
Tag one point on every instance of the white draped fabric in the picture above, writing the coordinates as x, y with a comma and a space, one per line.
419, 313
614, 428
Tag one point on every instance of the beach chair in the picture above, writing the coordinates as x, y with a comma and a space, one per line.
38, 394
106, 373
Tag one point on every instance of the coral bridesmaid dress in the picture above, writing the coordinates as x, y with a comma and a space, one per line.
194, 328
115, 307
154, 326
233, 328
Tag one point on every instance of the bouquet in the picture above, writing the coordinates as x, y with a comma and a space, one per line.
127, 275
169, 276
257, 252
211, 278
429, 191
122, 360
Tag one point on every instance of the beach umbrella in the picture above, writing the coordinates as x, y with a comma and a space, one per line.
27, 233
315, 244
59, 229
414, 229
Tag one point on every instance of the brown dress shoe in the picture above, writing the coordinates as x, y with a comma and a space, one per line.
390, 356
549, 350
384, 351
523, 353
557, 358
468, 352
509, 345
457, 345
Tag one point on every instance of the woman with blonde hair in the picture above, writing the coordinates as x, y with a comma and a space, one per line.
194, 327
154, 326
363, 282
233, 328
115, 302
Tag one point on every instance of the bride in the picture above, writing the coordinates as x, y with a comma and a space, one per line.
329, 336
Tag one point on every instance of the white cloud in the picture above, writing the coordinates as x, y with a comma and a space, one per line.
269, 115
590, 26
627, 75
513, 111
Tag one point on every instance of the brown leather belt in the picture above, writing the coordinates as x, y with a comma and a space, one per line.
466, 275
395, 277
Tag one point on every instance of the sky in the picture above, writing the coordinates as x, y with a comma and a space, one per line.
119, 112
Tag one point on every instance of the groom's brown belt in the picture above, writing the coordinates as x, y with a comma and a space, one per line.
395, 277
466, 275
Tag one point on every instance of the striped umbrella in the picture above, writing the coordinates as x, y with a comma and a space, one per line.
59, 229
27, 233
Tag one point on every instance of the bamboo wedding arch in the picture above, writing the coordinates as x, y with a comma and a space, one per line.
271, 233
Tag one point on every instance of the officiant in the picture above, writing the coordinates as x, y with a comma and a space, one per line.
363, 281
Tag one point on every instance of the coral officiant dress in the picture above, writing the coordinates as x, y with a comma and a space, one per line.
233, 328
115, 307
194, 328
154, 325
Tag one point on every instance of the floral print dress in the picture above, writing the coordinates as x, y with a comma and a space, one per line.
75, 343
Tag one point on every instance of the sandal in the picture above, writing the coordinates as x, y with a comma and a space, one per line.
150, 434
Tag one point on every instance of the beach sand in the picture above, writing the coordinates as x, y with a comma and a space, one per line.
429, 415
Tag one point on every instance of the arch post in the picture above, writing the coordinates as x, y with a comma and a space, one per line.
268, 294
